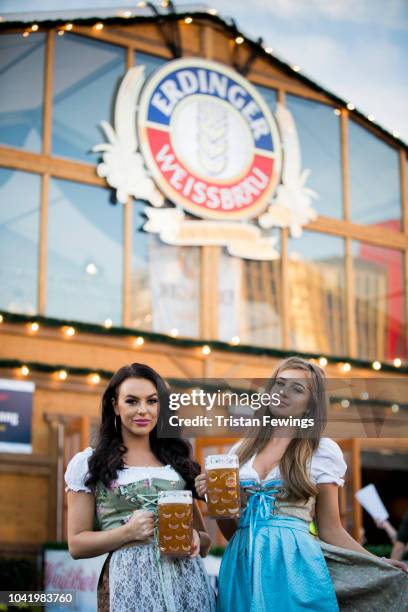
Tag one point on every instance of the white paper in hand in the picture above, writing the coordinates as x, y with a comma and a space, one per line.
371, 501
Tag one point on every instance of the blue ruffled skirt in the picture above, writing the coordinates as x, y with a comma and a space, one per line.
273, 563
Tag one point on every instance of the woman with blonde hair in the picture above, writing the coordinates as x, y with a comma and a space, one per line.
290, 477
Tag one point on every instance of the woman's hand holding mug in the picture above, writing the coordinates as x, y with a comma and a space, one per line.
201, 484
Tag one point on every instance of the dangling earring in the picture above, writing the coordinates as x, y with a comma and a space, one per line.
116, 425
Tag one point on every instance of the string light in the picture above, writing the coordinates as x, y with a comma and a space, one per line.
68, 331
141, 4
99, 26
345, 403
25, 370
296, 68
91, 269
1, 318
26, 34
346, 367
364, 395
34, 327
397, 362
69, 27
165, 3
60, 32
395, 408
268, 50
127, 14
239, 40
396, 134
62, 375
235, 340
376, 365
95, 378
139, 341
323, 362
34, 27
212, 11
350, 106
188, 20
108, 323
174, 332
206, 350
337, 112
371, 118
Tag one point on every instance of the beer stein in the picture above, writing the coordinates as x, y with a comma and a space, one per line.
223, 494
175, 522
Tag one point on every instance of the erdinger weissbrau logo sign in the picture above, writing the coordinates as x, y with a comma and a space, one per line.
201, 147
209, 139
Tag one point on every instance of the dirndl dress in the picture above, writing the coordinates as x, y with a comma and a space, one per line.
135, 578
275, 563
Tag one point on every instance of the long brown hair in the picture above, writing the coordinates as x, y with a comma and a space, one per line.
107, 457
295, 462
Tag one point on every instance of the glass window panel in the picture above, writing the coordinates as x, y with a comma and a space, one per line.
374, 180
84, 254
87, 74
19, 223
249, 300
269, 95
151, 62
165, 283
318, 130
379, 302
21, 86
317, 306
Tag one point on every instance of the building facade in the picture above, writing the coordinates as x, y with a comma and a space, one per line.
85, 288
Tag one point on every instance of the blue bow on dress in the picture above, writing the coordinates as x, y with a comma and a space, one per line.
260, 506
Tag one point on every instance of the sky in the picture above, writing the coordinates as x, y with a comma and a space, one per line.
358, 49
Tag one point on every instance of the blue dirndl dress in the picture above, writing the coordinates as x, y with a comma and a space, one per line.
273, 562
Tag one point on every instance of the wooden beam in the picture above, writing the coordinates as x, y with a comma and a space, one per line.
127, 263
284, 285
42, 245
118, 37
379, 236
209, 280
345, 174
54, 166
127, 238
284, 82
48, 87
350, 301
207, 41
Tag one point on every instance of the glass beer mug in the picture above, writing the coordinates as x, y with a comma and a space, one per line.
223, 494
175, 520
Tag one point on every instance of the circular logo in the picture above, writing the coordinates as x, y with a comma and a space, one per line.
209, 139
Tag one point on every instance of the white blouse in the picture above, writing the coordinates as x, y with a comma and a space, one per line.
327, 465
77, 472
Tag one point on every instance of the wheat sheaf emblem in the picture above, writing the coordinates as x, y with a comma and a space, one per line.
212, 137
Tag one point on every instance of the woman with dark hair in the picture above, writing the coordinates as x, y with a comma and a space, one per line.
112, 498
288, 477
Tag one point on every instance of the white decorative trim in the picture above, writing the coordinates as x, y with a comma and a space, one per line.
291, 206
242, 240
122, 166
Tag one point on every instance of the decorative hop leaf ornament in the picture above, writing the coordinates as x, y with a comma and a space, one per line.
122, 165
291, 205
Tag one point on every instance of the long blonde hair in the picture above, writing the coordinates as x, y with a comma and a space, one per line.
294, 464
